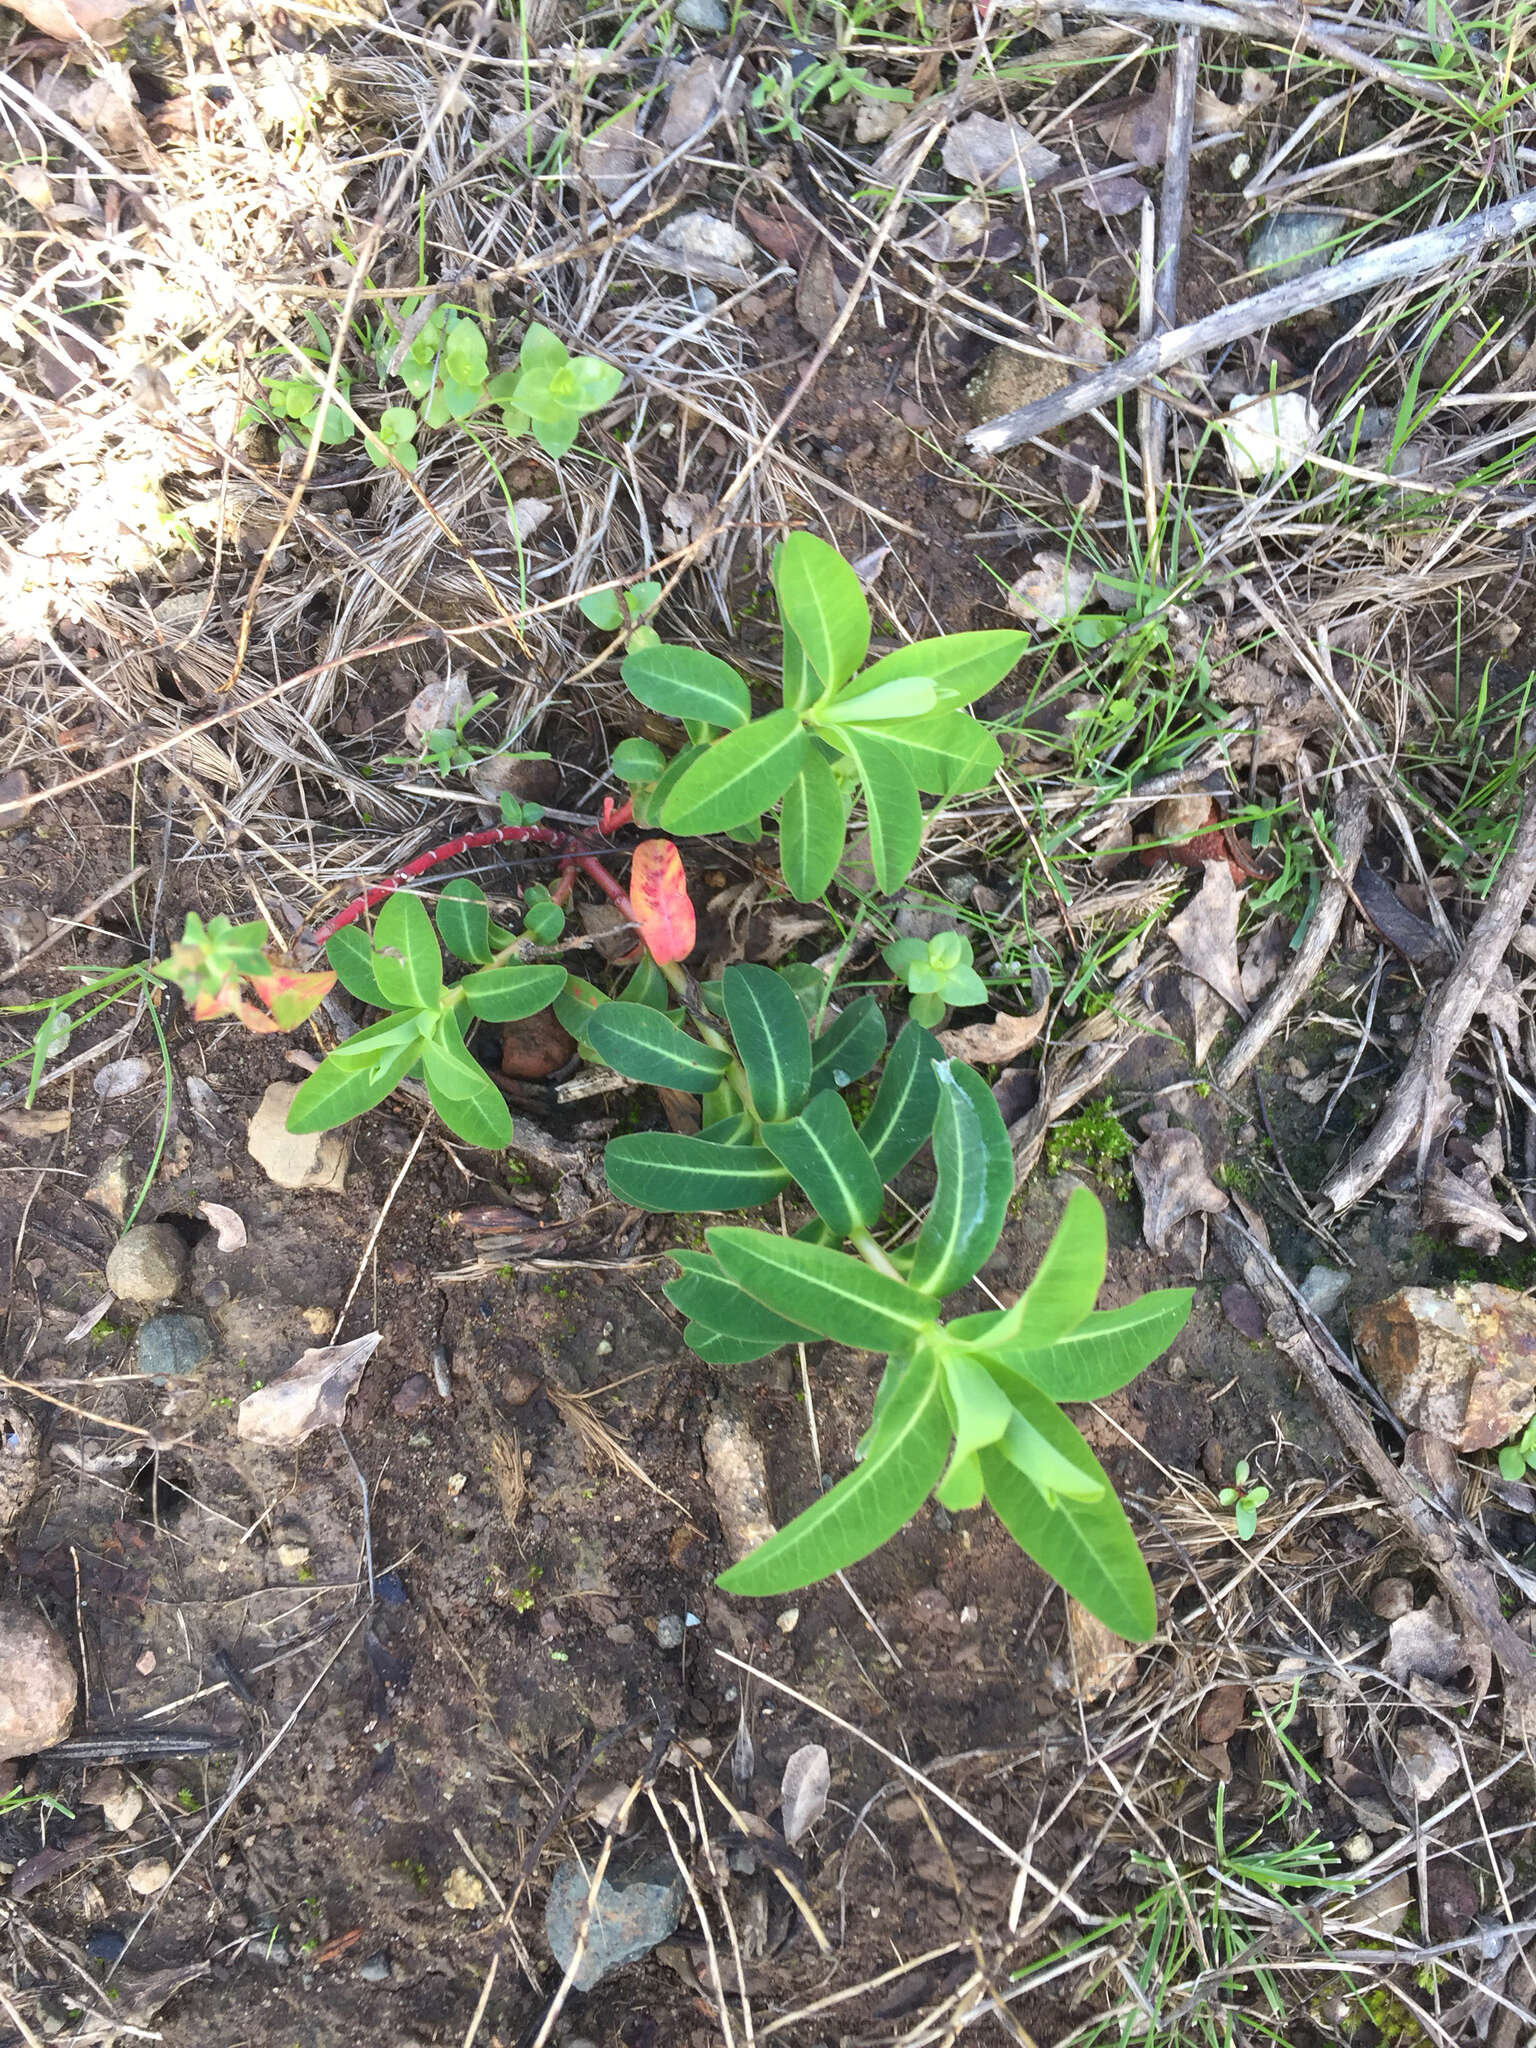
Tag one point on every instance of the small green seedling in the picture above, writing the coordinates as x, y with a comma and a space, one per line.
444, 748
611, 611
783, 95
1518, 1456
394, 439
938, 974
294, 402
967, 1408
400, 971
842, 731
1244, 1501
552, 391
447, 365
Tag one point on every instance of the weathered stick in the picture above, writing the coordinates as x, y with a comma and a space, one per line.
1170, 234
1317, 942
1412, 256
1469, 1584
1410, 1110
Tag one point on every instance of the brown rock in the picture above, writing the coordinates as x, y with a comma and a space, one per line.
412, 1395
37, 1682
1458, 1364
535, 1047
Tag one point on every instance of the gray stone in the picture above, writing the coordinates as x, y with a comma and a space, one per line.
1323, 1289
147, 1263
707, 16
376, 1970
174, 1343
633, 1911
669, 1631
37, 1683
1288, 244
316, 1163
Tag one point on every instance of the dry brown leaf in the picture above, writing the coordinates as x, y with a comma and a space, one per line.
1208, 1013
68, 21
1000, 156
993, 1044
1140, 130
1464, 1205
311, 1395
228, 1224
34, 1123
1170, 1171
1053, 590
1265, 956
803, 1794
435, 706
1423, 1644
696, 99
1205, 932
1101, 1661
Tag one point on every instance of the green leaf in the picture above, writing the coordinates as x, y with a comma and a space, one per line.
669, 1173
961, 1486
838, 1296
685, 682
974, 1158
501, 995
715, 1348
903, 697
948, 753
595, 381
641, 1043
709, 1296
825, 1154
812, 820
464, 921
961, 666
772, 1042
465, 1097
869, 1506
576, 1005
1512, 1463
601, 607
542, 349
335, 1093
350, 953
636, 760
851, 1044
407, 961
822, 603
892, 806
379, 1040
802, 686
1100, 1356
1067, 1282
1086, 1545
905, 1103
737, 778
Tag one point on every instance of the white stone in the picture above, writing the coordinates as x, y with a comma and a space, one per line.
317, 1162
701, 234
149, 1877
1268, 433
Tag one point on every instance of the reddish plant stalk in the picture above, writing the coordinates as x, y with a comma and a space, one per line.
494, 835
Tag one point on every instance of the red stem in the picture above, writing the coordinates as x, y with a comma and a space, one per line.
495, 835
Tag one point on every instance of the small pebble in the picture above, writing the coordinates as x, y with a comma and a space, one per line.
147, 1263
390, 1589
1323, 1289
320, 1321
464, 1892
785, 1623
376, 1970
173, 1344
442, 1377
149, 1877
1392, 1598
707, 16
1359, 1848
120, 1809
215, 1294
412, 1395
669, 1632
145, 1663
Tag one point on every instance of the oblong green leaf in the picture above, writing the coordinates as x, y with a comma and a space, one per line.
823, 604
334, 1094
868, 1507
380, 1039
349, 952
961, 666
826, 1155
892, 808
1087, 1546
838, 1296
464, 921
974, 1157
901, 1115
708, 1295
949, 753
716, 1348
648, 1047
1100, 1356
771, 1038
851, 1044
407, 960
577, 1004
649, 803
670, 1173
685, 682
477, 1113
812, 819
902, 697
735, 779
1067, 1281
802, 686
501, 995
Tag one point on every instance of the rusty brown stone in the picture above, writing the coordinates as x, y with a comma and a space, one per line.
1458, 1363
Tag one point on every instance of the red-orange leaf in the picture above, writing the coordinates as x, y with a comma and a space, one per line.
658, 889
292, 996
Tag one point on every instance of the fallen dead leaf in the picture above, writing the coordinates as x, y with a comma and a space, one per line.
435, 706
1101, 1661
120, 1077
1464, 1205
34, 1123
1265, 956
1169, 1168
1000, 156
807, 1781
228, 1224
993, 1044
311, 1395
698, 96
1205, 932
1424, 1644
1425, 1762
68, 21
1055, 589
1222, 1712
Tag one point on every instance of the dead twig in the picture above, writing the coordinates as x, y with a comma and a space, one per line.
1411, 256
1349, 826
1415, 1104
1469, 1584
1170, 234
